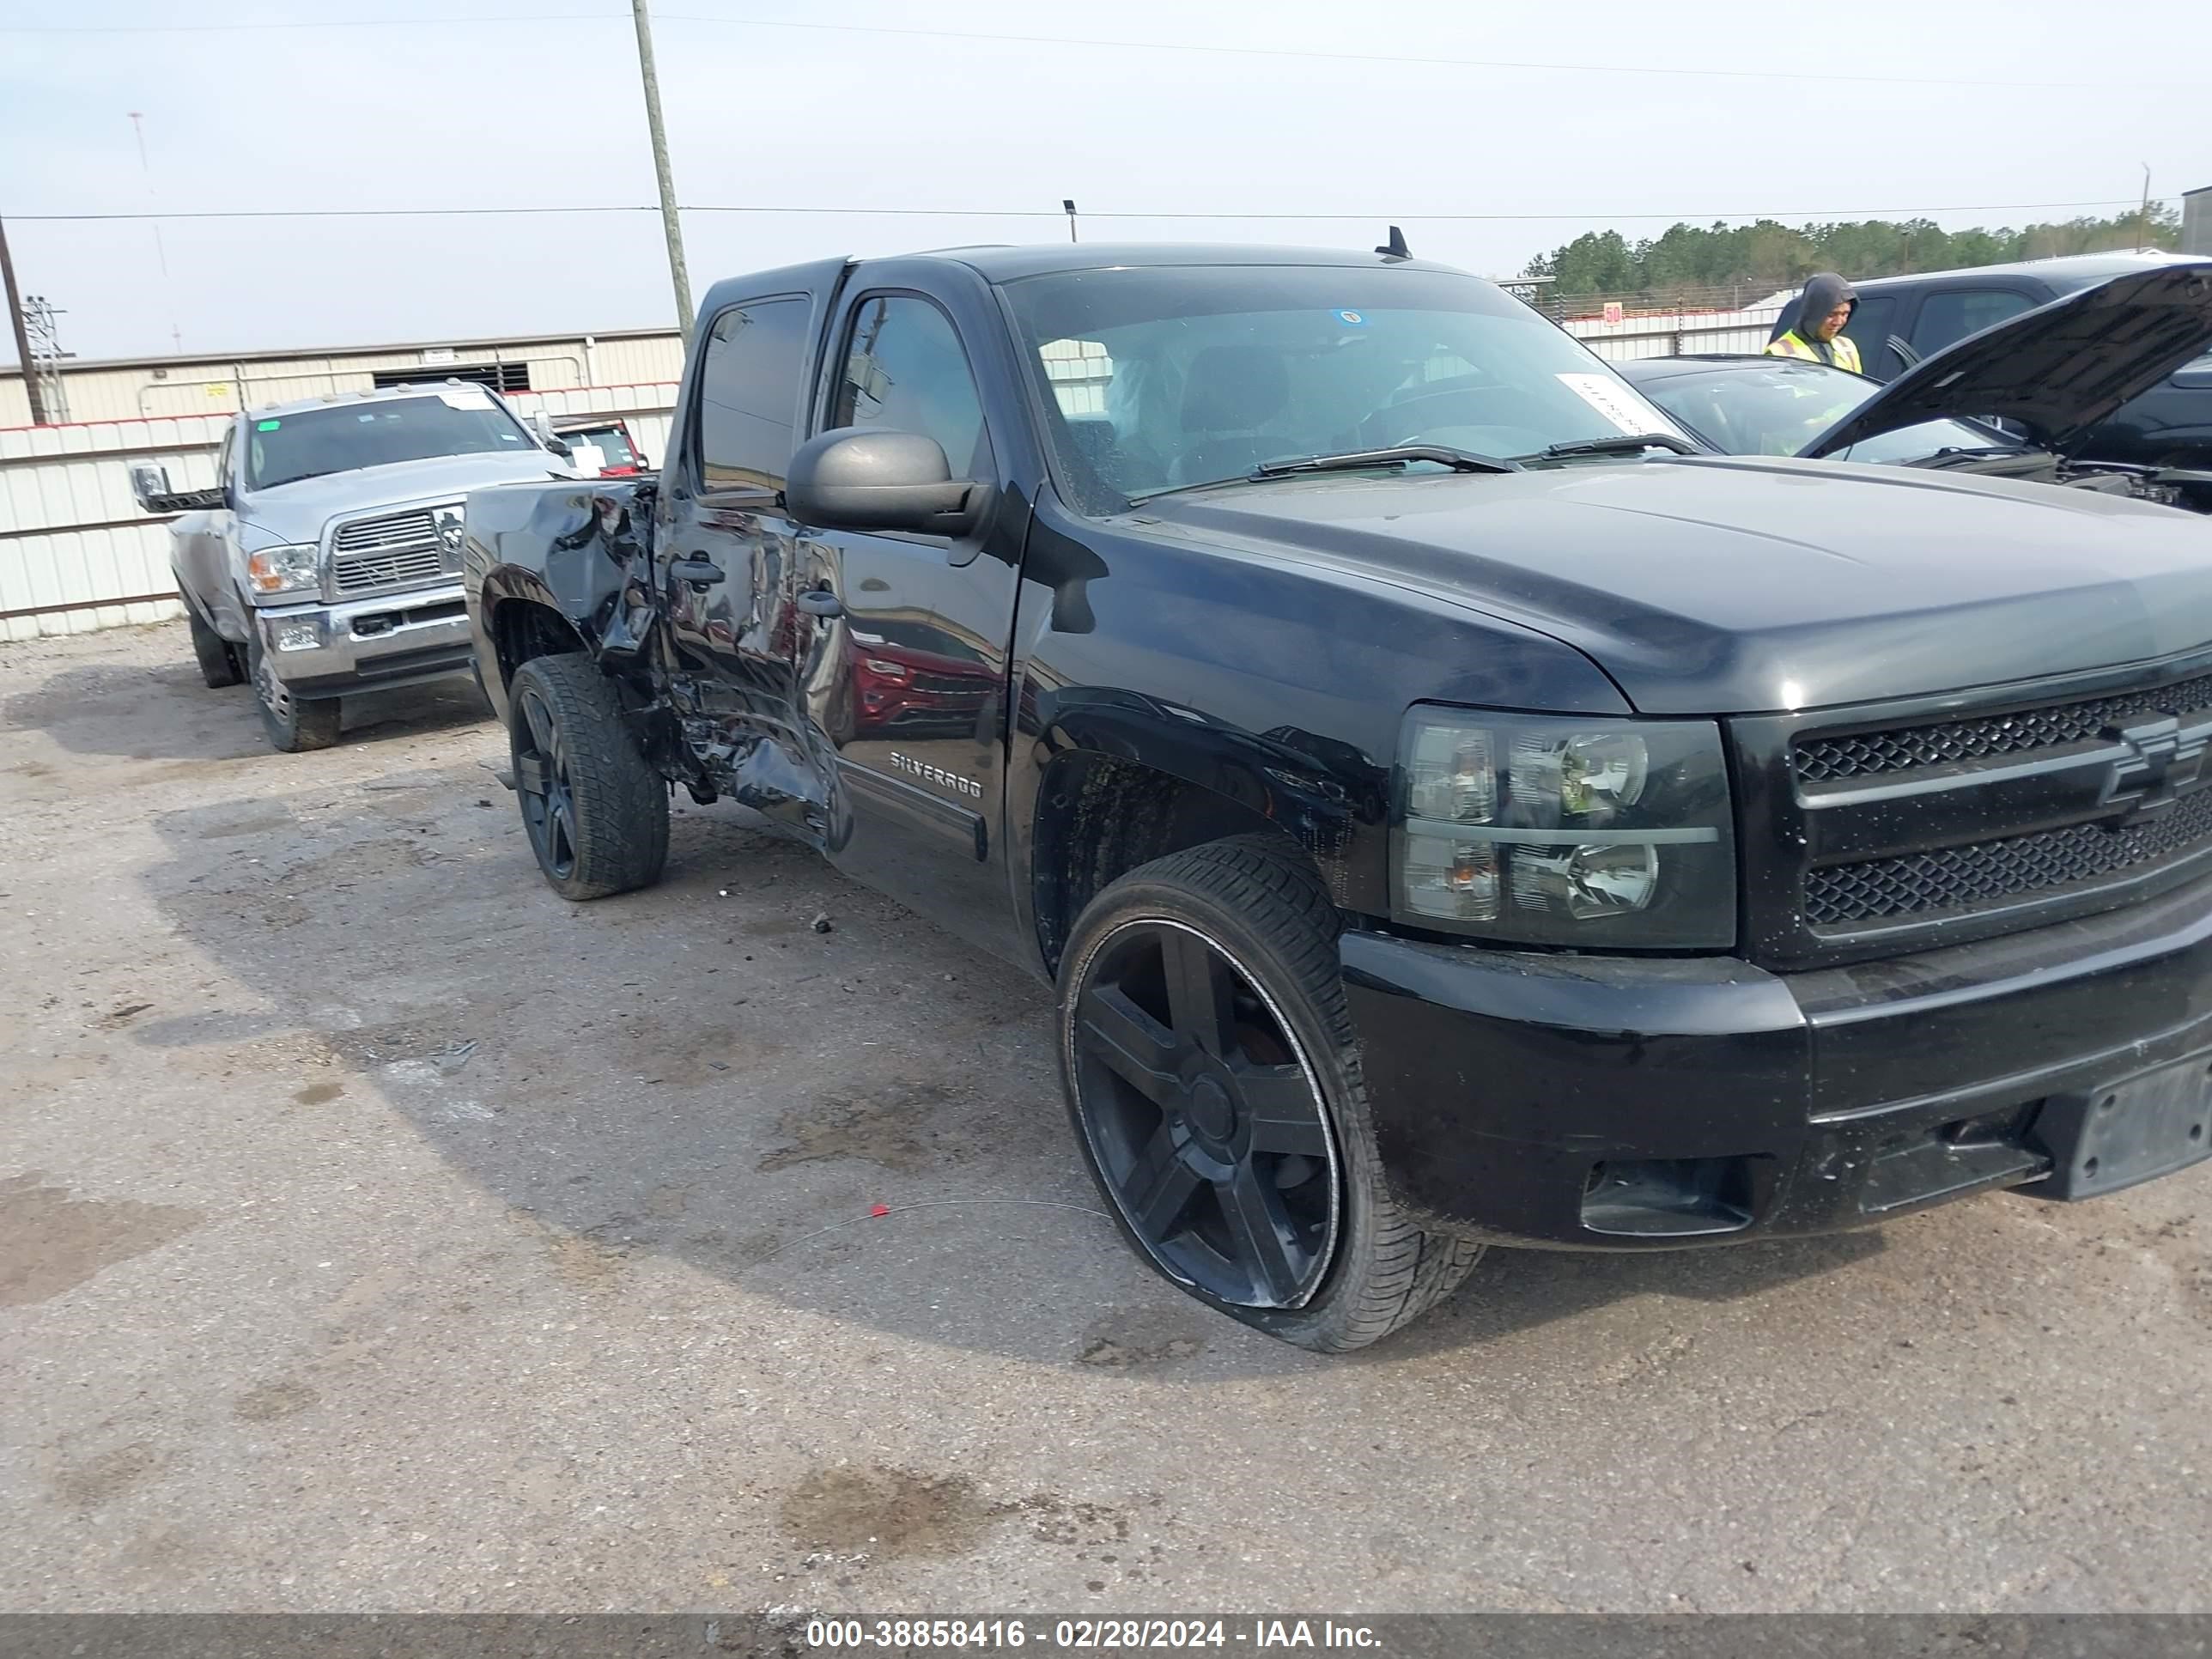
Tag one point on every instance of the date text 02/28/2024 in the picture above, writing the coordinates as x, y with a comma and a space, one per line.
1086, 1635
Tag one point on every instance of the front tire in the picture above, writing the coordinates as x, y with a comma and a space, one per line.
596, 811
216, 656
1213, 1078
292, 725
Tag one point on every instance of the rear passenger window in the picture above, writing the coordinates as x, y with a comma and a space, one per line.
749, 394
1947, 318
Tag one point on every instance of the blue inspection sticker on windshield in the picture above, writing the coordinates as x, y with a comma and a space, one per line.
1353, 318
267, 426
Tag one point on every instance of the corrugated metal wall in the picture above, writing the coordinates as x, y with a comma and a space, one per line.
76, 554
1676, 334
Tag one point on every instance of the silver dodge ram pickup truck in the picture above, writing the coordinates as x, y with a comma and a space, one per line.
326, 558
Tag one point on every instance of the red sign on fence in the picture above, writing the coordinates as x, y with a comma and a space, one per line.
1613, 311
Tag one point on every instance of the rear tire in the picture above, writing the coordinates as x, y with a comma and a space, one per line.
217, 656
292, 725
596, 812
1212, 1074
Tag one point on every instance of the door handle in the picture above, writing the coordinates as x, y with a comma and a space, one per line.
698, 569
820, 602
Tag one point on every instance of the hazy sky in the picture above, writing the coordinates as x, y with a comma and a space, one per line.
542, 107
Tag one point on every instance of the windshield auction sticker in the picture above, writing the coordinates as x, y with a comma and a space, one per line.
1616, 402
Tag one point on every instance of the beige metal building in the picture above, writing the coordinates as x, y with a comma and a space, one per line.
141, 388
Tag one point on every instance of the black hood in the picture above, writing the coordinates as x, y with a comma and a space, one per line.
1712, 585
2057, 370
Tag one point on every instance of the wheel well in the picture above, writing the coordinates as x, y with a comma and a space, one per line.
1099, 817
523, 629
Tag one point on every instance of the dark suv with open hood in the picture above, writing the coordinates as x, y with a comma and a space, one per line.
1902, 320
1447, 812
2032, 397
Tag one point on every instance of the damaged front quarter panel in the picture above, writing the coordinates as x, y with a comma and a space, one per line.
598, 565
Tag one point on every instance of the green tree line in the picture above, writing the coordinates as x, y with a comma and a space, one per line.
1767, 255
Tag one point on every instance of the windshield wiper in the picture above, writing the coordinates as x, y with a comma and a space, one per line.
1950, 452
1628, 443
1459, 460
1351, 461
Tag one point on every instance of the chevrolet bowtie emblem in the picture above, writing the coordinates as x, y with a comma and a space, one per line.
2160, 768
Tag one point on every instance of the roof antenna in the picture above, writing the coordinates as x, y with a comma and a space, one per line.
1396, 248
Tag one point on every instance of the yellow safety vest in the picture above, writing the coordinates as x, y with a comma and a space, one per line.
1794, 346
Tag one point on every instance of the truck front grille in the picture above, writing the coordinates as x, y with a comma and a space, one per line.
1818, 760
1884, 831
392, 550
1991, 872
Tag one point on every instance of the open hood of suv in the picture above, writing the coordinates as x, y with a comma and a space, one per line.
2057, 370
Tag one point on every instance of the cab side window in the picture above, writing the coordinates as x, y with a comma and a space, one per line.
1871, 325
748, 395
905, 371
1950, 316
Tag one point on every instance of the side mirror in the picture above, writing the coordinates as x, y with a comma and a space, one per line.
148, 481
561, 447
541, 428
857, 479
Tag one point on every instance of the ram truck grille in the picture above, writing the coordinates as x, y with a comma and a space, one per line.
389, 552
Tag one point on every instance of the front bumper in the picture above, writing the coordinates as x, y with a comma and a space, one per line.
363, 644
1634, 1103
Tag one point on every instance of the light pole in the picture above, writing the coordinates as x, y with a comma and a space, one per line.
670, 222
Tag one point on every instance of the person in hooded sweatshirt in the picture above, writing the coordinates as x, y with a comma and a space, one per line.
1822, 314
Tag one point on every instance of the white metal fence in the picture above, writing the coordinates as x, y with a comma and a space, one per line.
76, 554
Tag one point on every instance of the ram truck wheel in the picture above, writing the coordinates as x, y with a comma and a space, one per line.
291, 724
216, 656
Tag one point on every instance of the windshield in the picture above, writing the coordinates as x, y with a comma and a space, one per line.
1168, 376
609, 440
284, 449
1778, 408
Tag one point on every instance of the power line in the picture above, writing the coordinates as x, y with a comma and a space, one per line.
1374, 215
311, 23
977, 36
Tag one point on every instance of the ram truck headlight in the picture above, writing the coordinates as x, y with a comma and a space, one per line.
283, 570
1589, 834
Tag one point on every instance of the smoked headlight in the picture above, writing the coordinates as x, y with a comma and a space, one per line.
1585, 833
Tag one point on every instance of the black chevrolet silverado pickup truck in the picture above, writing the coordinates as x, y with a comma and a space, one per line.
1449, 812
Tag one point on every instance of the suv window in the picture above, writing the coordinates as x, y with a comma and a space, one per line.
746, 398
1950, 316
1871, 325
905, 371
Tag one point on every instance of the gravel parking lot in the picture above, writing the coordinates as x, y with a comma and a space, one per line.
378, 1231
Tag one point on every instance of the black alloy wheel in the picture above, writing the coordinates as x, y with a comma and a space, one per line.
1204, 1119
541, 779
1213, 1078
594, 809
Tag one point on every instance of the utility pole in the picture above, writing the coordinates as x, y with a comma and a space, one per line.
22, 337
160, 252
669, 221
2142, 216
